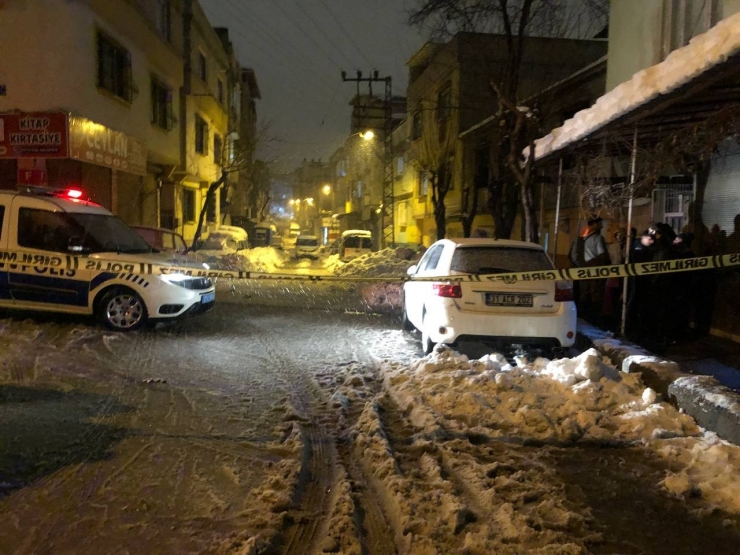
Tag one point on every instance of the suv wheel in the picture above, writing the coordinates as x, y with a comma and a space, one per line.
426, 343
122, 310
406, 325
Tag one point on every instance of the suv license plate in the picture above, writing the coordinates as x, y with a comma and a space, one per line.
208, 297
509, 299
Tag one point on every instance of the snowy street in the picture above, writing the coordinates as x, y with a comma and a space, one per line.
293, 420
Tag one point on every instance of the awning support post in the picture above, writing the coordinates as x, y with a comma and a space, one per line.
557, 211
627, 246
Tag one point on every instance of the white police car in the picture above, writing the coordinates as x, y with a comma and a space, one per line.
60, 253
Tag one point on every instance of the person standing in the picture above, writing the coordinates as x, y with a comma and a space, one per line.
588, 251
614, 284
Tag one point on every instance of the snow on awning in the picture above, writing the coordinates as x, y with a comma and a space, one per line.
683, 65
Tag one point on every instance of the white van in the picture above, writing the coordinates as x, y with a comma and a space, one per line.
354, 243
59, 253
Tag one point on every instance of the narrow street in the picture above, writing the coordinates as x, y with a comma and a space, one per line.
238, 431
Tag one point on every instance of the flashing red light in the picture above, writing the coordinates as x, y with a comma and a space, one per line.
74, 193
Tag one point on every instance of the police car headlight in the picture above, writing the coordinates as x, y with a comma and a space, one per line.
188, 282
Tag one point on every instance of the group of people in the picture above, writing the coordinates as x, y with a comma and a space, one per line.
660, 307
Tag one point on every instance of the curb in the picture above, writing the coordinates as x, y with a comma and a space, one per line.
714, 406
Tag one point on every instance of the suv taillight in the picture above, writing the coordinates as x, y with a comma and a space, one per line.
451, 290
563, 291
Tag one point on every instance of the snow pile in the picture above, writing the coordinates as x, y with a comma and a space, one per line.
470, 471
384, 263
553, 401
681, 66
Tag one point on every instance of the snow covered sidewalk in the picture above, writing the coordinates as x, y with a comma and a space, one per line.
714, 406
461, 452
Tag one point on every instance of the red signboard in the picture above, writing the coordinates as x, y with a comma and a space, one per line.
33, 135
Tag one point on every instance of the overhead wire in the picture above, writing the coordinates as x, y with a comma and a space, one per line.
351, 40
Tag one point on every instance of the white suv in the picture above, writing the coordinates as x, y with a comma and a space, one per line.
62, 254
521, 313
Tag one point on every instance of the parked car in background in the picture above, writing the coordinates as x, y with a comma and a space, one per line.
162, 239
307, 246
354, 243
531, 313
226, 238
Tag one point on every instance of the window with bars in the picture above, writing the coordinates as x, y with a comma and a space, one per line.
114, 69
161, 99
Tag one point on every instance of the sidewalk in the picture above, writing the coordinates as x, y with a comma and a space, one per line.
709, 356
701, 377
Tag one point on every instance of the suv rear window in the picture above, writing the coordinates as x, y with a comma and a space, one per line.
498, 260
355, 242
306, 242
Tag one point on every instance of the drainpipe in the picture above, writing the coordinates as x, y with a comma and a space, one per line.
185, 91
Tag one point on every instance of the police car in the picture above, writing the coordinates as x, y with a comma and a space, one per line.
61, 253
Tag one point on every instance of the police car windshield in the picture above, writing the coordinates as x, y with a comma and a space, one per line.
105, 233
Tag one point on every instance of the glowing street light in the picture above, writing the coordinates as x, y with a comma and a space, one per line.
326, 189
368, 135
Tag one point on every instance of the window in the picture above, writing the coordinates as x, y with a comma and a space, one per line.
399, 165
416, 126
188, 205
220, 90
114, 69
162, 105
200, 67
443, 110
443, 103
217, 149
201, 135
211, 211
52, 231
423, 183
498, 260
2, 215
164, 19
434, 255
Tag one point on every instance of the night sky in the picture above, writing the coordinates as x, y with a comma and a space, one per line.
298, 49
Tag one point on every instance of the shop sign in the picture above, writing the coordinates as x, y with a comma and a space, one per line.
97, 144
33, 135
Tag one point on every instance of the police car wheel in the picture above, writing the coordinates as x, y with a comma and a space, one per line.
122, 310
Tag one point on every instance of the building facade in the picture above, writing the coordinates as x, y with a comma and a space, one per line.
145, 94
113, 68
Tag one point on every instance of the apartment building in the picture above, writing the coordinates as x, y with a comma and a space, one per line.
103, 75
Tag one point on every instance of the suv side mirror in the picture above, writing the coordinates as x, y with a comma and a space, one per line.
76, 245
411, 271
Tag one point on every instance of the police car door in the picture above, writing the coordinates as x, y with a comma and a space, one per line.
39, 277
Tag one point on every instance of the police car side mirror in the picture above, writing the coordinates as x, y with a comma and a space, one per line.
75, 245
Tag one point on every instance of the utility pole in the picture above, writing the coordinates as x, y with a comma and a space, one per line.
388, 198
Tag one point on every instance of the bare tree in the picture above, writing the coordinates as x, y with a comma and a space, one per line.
435, 156
511, 183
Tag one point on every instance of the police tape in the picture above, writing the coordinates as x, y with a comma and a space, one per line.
80, 267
